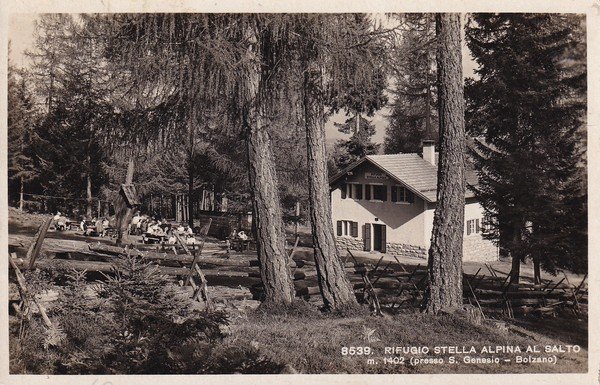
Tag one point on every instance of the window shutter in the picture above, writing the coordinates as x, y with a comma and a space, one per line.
410, 196
339, 228
385, 189
468, 227
343, 189
383, 238
477, 228
394, 193
368, 192
354, 229
359, 192
367, 236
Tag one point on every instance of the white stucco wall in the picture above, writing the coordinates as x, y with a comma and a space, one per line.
475, 247
404, 221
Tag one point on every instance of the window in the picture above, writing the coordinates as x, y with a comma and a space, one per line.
473, 226
368, 192
347, 228
352, 191
358, 191
487, 226
402, 194
380, 193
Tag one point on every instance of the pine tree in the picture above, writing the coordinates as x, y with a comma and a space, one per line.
359, 144
528, 109
413, 116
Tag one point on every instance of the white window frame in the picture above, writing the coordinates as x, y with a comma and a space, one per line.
472, 224
347, 228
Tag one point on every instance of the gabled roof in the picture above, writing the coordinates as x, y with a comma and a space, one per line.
418, 175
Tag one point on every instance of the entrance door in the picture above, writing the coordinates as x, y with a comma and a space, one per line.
379, 237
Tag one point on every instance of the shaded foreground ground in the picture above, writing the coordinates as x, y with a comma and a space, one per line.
301, 339
314, 344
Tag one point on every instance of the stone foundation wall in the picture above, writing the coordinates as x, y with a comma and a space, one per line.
406, 250
344, 243
478, 249
398, 249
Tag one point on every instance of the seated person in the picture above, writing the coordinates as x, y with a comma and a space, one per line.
55, 220
61, 224
189, 231
100, 227
135, 221
242, 235
172, 240
158, 231
191, 240
149, 230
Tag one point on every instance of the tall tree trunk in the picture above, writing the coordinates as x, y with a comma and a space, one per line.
537, 270
445, 253
21, 193
269, 230
191, 151
333, 282
123, 213
515, 255
162, 215
190, 202
89, 200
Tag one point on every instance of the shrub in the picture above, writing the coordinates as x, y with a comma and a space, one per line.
131, 322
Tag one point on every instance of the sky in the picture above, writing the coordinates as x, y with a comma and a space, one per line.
21, 34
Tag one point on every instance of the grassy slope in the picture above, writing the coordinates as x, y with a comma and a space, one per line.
312, 343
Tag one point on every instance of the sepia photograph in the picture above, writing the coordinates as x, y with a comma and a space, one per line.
291, 193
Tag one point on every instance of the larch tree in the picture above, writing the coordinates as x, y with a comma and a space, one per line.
68, 78
194, 64
336, 54
21, 134
445, 252
261, 33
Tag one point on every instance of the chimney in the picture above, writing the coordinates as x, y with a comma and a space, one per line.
429, 151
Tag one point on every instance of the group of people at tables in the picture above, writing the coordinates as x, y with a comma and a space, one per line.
97, 226
156, 230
